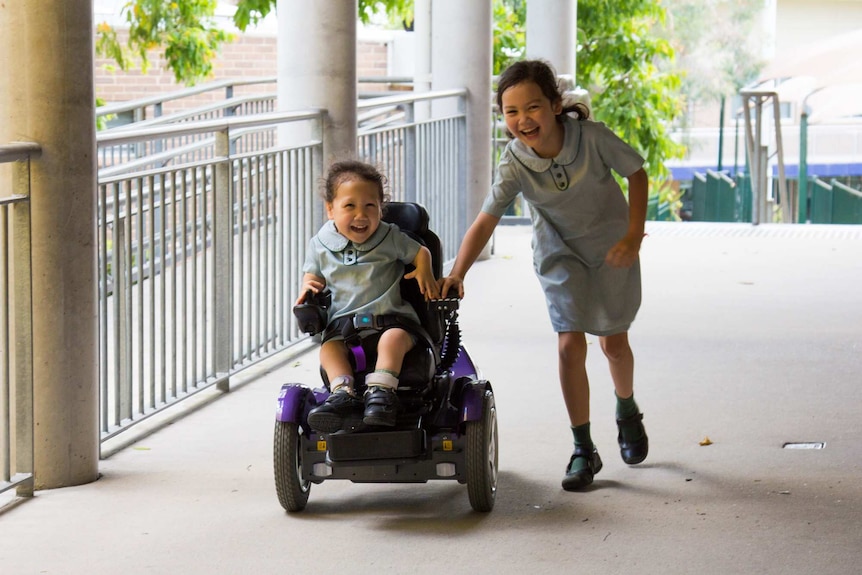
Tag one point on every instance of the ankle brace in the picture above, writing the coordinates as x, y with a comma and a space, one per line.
381, 379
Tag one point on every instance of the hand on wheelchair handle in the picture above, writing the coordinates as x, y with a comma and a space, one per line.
453, 286
311, 312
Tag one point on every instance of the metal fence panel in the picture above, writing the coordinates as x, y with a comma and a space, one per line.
16, 330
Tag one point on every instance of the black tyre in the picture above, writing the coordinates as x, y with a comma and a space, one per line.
482, 447
292, 490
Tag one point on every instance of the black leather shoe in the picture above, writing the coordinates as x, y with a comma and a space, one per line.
328, 417
633, 440
381, 406
582, 476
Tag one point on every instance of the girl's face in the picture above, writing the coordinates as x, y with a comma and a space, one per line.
532, 118
356, 209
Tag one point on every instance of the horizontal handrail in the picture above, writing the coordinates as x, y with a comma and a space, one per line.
120, 107
179, 94
18, 151
409, 98
193, 113
205, 126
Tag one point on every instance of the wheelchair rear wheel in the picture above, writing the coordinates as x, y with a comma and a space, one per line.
292, 490
482, 444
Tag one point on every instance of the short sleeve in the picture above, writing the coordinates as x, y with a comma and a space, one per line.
506, 186
616, 154
312, 261
406, 247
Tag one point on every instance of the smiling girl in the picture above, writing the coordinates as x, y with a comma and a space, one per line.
361, 259
586, 240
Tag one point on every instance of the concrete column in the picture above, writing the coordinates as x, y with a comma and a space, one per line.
46, 74
422, 54
461, 57
552, 33
317, 66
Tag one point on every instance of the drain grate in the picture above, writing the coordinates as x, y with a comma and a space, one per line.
804, 445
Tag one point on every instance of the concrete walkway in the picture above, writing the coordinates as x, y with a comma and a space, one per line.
748, 336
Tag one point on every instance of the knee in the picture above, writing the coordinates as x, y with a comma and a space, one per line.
395, 340
615, 347
572, 347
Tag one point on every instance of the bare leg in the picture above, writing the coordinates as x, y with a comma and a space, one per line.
393, 346
573, 376
334, 359
621, 362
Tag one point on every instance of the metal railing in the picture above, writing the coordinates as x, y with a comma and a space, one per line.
200, 252
16, 329
424, 159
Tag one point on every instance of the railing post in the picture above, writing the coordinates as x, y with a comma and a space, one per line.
223, 261
410, 178
23, 322
463, 192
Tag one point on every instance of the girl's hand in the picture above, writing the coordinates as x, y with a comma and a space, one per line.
310, 282
426, 281
625, 253
450, 282
423, 274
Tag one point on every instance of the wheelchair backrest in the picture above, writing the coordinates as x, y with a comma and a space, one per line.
413, 219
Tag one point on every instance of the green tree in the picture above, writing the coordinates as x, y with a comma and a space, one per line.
510, 17
628, 70
185, 28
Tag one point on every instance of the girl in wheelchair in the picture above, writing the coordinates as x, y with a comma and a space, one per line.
361, 260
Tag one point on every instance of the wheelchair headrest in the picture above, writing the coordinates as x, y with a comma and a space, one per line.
408, 216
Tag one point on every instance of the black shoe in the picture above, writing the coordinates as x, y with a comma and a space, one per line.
633, 440
328, 417
581, 476
381, 406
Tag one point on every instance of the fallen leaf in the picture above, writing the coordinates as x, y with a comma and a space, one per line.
706, 441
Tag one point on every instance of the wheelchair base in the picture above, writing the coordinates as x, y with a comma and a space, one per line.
405, 456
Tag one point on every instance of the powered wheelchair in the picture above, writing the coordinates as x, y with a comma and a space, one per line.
447, 422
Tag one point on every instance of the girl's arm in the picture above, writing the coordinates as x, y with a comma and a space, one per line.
310, 282
625, 252
423, 274
474, 242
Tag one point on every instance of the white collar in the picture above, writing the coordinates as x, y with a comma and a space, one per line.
334, 241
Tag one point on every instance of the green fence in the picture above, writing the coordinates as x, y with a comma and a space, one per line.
716, 197
834, 203
659, 211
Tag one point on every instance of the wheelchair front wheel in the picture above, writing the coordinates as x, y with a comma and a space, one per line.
292, 490
482, 444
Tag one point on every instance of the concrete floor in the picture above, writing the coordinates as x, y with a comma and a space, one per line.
748, 336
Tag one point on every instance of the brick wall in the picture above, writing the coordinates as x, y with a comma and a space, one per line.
248, 56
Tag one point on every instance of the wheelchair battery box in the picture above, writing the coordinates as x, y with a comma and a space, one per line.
376, 445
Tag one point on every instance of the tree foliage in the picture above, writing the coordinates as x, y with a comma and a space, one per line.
716, 43
186, 29
627, 69
510, 18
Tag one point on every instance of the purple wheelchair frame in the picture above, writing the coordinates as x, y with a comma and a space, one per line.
295, 400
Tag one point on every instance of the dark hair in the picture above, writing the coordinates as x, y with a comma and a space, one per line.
543, 75
348, 170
